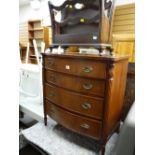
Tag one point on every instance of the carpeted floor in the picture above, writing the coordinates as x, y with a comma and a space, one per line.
57, 140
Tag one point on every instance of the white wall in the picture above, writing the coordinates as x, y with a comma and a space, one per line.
27, 13
122, 2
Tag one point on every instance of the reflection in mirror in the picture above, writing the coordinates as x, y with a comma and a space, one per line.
57, 16
79, 6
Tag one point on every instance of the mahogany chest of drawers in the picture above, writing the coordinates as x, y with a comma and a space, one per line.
85, 93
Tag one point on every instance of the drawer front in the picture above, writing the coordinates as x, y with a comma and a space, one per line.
82, 125
84, 85
88, 106
86, 68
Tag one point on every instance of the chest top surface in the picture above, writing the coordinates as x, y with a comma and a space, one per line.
110, 58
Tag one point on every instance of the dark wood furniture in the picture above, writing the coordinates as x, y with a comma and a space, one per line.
85, 93
88, 25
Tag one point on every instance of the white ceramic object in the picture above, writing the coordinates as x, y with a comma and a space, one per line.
58, 50
88, 51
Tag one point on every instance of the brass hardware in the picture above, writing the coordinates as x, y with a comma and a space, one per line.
82, 20
50, 63
52, 111
85, 126
86, 106
87, 69
87, 86
53, 78
70, 6
51, 94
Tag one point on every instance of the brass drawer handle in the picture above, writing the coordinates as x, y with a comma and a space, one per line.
86, 106
52, 111
51, 94
50, 63
87, 86
85, 126
87, 69
53, 78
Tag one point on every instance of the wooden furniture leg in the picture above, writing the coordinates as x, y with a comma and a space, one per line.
103, 144
102, 151
45, 120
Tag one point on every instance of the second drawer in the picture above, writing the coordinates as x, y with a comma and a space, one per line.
84, 85
86, 105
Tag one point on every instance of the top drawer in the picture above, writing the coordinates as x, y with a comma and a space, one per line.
86, 68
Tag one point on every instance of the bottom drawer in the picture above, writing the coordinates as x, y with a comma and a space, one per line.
79, 124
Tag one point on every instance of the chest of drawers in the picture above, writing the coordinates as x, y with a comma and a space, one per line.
85, 93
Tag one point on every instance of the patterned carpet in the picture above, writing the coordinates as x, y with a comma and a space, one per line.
57, 140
